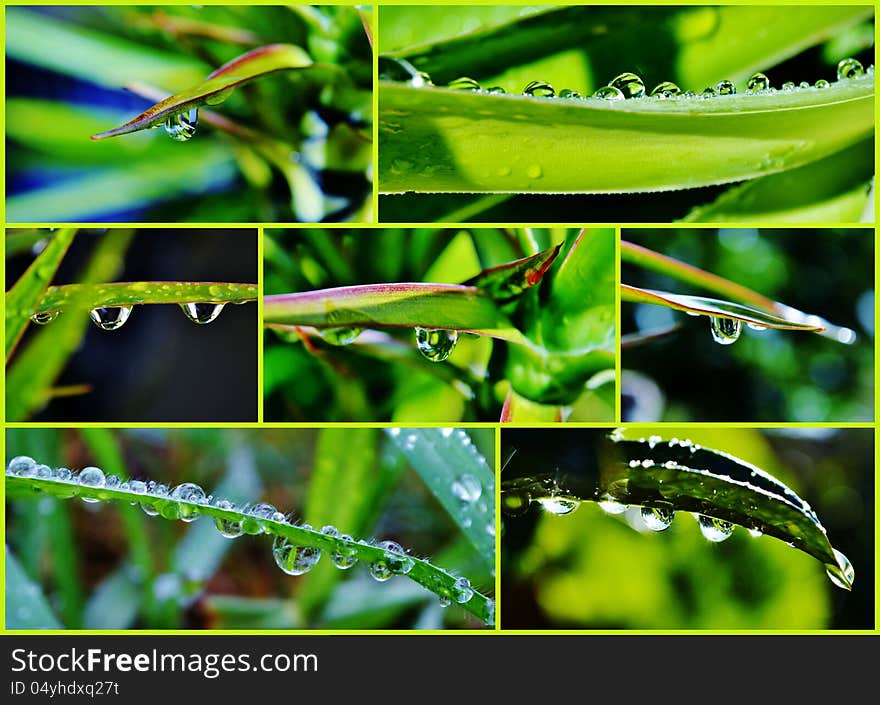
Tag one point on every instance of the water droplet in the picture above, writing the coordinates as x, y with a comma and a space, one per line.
467, 488
568, 93
758, 82
539, 89
346, 556
708, 92
201, 313
21, 466
341, 335
515, 503
667, 89
849, 68
558, 505
725, 331
330, 531
725, 88
63, 474
43, 472
788, 86
91, 477
714, 530
610, 507
380, 571
217, 98
657, 519
843, 574
436, 344
45, 317
110, 317
463, 83
292, 559
803, 84
395, 558
138, 487
534, 171
629, 84
822, 83
445, 600
462, 590
609, 93
181, 126
498, 90
755, 533
228, 528
756, 326
253, 523
192, 493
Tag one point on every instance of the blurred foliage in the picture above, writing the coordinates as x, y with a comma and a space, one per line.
568, 319
67, 68
110, 566
591, 570
69, 370
582, 48
773, 375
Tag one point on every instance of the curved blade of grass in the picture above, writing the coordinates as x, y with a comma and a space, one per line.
22, 298
715, 308
511, 279
115, 602
444, 458
439, 140
446, 306
26, 605
247, 67
423, 572
84, 297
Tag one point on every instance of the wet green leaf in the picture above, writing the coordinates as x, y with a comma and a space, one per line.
511, 279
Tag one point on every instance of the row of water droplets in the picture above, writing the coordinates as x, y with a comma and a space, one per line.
113, 317
629, 85
434, 344
176, 503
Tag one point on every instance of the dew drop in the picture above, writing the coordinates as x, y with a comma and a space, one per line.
63, 474
515, 503
436, 344
758, 82
445, 600
755, 533
725, 331
803, 84
191, 493
558, 505
568, 93
228, 528
610, 507
756, 326
714, 530
21, 466
44, 317
539, 89
380, 571
849, 68
667, 89
822, 83
629, 84
346, 556
395, 558
534, 171
182, 126
725, 88
467, 488
497, 90
657, 519
44, 472
463, 83
91, 477
201, 313
609, 93
341, 335
110, 317
253, 523
708, 92
292, 559
843, 574
788, 86
462, 590
330, 530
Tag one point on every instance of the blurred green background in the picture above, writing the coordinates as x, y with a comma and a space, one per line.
109, 566
66, 73
591, 570
773, 375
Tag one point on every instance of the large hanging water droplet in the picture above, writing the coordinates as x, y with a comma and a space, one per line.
849, 68
91, 477
462, 590
380, 571
725, 331
629, 84
725, 88
110, 317
467, 488
843, 574
714, 530
657, 519
667, 89
228, 528
341, 335
201, 313
758, 82
609, 93
191, 493
436, 344
292, 559
21, 466
539, 89
45, 317
463, 83
558, 505
345, 556
181, 126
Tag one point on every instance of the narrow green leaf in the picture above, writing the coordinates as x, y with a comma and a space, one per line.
217, 86
84, 297
115, 602
511, 279
440, 140
26, 606
22, 298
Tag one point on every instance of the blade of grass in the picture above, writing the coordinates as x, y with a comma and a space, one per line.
116, 601
26, 606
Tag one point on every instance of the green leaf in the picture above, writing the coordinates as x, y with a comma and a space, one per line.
217, 87
439, 140
84, 297
233, 612
22, 298
511, 279
115, 603
26, 606
458, 476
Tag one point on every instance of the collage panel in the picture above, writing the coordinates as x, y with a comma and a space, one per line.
626, 114
747, 325
268, 110
144, 325
596, 533
255, 529
439, 325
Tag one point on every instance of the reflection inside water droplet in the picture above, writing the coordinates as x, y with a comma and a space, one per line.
436, 344
292, 559
758, 82
201, 313
467, 488
667, 89
657, 519
629, 84
463, 83
756, 326
558, 505
609, 93
849, 68
540, 89
725, 331
45, 317
341, 335
610, 507
714, 530
843, 574
110, 317
182, 126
